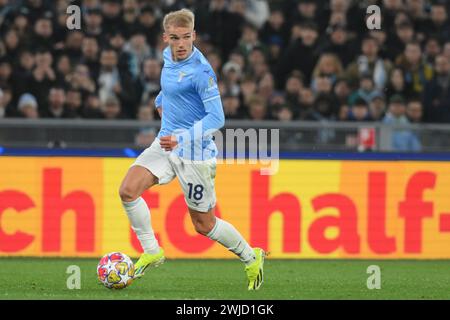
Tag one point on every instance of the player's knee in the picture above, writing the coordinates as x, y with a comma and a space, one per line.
127, 194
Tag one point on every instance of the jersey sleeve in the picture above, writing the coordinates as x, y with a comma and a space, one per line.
205, 83
158, 100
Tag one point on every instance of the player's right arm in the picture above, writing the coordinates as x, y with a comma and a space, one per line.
158, 103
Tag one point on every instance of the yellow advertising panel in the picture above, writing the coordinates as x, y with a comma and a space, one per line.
70, 207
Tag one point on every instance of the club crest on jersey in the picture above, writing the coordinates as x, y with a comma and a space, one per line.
181, 76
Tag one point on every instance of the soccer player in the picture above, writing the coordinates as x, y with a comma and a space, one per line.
190, 108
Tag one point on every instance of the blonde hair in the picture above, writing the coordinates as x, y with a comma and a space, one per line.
337, 65
181, 18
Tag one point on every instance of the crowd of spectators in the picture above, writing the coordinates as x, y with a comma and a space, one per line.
279, 60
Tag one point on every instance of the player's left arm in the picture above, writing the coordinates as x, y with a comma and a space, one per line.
205, 83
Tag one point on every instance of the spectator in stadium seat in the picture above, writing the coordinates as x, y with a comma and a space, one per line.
90, 51
148, 83
328, 65
397, 41
277, 101
377, 107
322, 85
145, 112
338, 43
390, 10
414, 110
223, 27
275, 30
249, 41
92, 108
381, 36
292, 59
437, 93
416, 11
305, 10
215, 60
8, 102
112, 17
149, 25
232, 107
63, 69
266, 86
325, 108
402, 139
28, 106
296, 33
256, 57
138, 50
114, 81
130, 15
6, 71
12, 43
36, 9
256, 12
343, 112
369, 63
74, 102
446, 50
80, 79
248, 89
439, 23
60, 24
112, 109
257, 108
284, 113
22, 73
305, 104
17, 20
432, 48
73, 45
117, 41
416, 71
359, 111
237, 57
56, 107
341, 90
337, 15
43, 76
42, 34
232, 74
294, 85
92, 22
259, 70
366, 90
397, 84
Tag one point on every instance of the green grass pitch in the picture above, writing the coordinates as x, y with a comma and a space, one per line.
45, 278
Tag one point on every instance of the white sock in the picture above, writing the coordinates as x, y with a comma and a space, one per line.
139, 216
227, 235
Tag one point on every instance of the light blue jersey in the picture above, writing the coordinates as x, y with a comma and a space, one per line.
191, 104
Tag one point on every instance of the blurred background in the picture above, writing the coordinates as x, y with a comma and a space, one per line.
313, 69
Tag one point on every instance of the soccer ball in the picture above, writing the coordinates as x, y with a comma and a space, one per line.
115, 270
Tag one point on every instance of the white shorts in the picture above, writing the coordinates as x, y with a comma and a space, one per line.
196, 177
